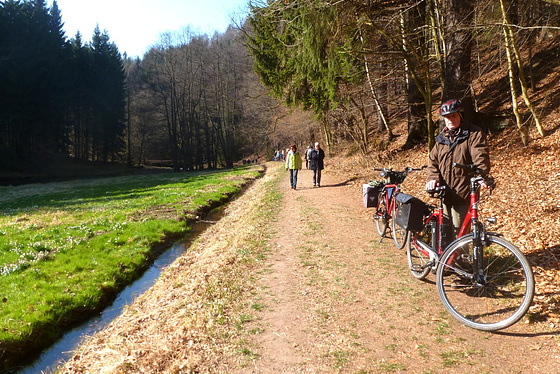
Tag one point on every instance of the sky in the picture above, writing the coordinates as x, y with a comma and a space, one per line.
135, 25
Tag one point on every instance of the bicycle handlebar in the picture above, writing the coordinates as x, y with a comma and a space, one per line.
406, 169
397, 177
471, 167
488, 180
418, 169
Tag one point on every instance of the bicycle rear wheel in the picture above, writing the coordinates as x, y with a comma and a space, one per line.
381, 216
418, 259
399, 234
496, 301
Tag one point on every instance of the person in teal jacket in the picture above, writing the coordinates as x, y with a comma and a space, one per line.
293, 164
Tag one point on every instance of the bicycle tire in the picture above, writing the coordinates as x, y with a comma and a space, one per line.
399, 234
508, 288
417, 260
381, 216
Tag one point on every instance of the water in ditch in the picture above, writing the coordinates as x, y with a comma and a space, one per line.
63, 350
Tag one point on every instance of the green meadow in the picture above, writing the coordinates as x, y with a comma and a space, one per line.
67, 248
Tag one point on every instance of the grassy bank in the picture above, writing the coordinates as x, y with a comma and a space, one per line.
67, 248
193, 319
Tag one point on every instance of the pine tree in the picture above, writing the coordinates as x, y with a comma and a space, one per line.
32, 53
108, 101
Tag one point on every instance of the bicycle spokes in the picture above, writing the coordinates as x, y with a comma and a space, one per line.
495, 296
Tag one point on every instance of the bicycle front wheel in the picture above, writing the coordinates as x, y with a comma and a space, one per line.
381, 216
496, 299
399, 234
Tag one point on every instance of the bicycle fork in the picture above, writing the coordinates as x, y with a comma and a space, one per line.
478, 275
478, 254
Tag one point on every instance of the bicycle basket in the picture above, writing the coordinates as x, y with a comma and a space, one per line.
398, 178
410, 212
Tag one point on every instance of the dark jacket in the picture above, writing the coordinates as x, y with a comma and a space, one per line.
316, 158
467, 146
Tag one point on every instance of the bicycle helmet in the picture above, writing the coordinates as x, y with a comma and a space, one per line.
450, 106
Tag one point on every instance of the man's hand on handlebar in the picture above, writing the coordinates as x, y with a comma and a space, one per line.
431, 185
488, 183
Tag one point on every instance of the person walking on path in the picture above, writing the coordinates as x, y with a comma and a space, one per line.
459, 142
316, 157
307, 152
293, 164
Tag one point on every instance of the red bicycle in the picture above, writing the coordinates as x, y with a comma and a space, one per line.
483, 280
386, 204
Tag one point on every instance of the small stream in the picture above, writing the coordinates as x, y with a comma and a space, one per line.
60, 352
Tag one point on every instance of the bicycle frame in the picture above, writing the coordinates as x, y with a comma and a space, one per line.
470, 221
389, 193
471, 218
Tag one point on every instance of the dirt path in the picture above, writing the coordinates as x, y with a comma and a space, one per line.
337, 300
324, 297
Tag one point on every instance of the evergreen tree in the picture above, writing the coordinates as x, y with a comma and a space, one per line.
32, 58
300, 53
108, 99
79, 109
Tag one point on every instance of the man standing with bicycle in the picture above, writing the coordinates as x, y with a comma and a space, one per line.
459, 142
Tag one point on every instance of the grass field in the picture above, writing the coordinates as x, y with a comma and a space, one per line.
67, 248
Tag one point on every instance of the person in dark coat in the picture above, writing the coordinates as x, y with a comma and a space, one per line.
459, 142
316, 157
307, 152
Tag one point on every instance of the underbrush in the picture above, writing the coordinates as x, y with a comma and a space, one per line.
67, 248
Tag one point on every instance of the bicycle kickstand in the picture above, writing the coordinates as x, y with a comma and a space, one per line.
382, 236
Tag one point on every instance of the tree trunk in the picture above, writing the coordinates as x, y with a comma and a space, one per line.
416, 62
458, 78
381, 115
417, 129
515, 65
438, 40
128, 129
522, 129
326, 132
363, 131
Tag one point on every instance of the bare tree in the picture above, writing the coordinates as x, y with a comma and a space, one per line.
459, 17
516, 72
